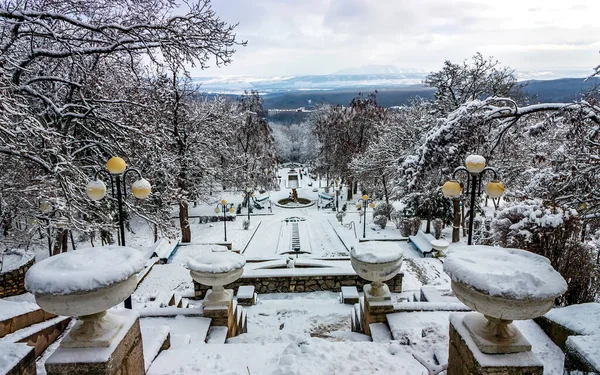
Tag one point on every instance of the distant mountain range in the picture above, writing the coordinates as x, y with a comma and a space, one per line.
387, 77
233, 85
395, 86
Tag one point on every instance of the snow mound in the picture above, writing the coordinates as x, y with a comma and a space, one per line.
376, 252
219, 262
511, 273
83, 270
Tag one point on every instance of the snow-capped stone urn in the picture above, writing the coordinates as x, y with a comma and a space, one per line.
86, 283
377, 264
503, 285
217, 269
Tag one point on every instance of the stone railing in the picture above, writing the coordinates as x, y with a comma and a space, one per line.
12, 282
301, 283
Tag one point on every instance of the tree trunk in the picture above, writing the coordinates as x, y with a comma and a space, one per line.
61, 243
72, 239
155, 232
456, 223
355, 187
464, 222
428, 226
385, 192
184, 222
350, 183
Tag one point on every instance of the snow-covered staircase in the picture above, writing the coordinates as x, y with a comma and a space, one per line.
25, 322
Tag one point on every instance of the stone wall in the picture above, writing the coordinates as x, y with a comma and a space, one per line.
293, 284
12, 283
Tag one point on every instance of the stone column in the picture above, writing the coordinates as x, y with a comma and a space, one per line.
223, 312
375, 308
124, 356
465, 358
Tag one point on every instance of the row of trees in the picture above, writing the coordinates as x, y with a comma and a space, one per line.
83, 81
546, 151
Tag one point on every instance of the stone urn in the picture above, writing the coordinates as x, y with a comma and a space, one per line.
85, 284
502, 285
439, 246
217, 269
376, 263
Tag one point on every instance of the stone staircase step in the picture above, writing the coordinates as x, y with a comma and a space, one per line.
380, 332
155, 339
217, 335
180, 340
176, 300
18, 315
163, 299
246, 295
39, 335
349, 295
244, 327
357, 318
17, 359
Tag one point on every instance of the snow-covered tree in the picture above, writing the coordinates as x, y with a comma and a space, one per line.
457, 84
344, 133
72, 81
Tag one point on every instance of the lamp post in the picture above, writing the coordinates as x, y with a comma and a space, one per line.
364, 201
224, 206
248, 193
475, 168
117, 171
336, 192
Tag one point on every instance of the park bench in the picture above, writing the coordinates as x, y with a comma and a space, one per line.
327, 199
422, 242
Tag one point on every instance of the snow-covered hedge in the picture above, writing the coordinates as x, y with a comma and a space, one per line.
552, 231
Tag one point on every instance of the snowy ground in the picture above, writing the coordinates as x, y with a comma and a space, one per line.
301, 333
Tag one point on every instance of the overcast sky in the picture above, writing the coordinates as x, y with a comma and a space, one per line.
296, 37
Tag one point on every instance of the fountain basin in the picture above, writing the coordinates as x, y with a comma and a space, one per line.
290, 203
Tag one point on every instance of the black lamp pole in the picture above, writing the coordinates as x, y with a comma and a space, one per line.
473, 188
118, 185
365, 202
225, 207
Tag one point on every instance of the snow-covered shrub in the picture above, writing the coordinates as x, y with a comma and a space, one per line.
397, 217
554, 232
415, 225
405, 227
246, 224
380, 220
437, 224
384, 209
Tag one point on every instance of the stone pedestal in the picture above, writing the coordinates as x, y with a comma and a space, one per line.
223, 314
465, 358
124, 356
375, 308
